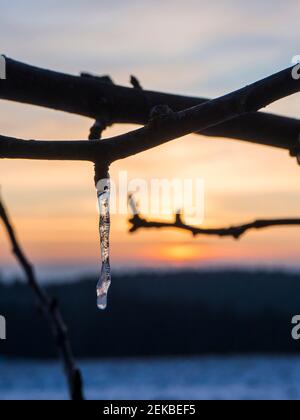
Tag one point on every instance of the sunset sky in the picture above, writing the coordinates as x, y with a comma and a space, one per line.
192, 48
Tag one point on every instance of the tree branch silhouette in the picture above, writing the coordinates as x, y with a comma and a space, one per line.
49, 308
163, 126
137, 222
99, 98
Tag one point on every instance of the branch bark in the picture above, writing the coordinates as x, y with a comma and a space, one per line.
49, 308
95, 98
137, 222
162, 128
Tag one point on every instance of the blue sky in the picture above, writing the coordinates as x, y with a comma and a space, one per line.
247, 39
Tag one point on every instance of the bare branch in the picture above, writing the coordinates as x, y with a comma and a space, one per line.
137, 222
96, 98
13, 148
50, 309
163, 128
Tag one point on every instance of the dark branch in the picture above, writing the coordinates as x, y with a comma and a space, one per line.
137, 222
95, 98
50, 309
49, 150
163, 128
100, 167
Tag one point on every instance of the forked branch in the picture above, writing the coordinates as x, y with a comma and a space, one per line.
162, 128
138, 222
99, 98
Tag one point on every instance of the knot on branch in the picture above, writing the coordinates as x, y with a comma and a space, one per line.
160, 111
135, 83
103, 79
103, 103
159, 114
136, 223
237, 232
178, 219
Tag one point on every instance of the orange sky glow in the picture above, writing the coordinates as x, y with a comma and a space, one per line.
53, 205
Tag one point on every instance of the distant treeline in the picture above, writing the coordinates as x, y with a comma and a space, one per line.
160, 314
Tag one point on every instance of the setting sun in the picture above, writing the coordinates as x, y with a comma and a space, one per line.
180, 252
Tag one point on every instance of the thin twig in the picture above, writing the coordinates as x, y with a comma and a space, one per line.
50, 309
137, 222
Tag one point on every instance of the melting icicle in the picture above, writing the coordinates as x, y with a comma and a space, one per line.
103, 192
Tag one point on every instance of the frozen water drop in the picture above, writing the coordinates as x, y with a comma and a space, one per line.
103, 191
103, 286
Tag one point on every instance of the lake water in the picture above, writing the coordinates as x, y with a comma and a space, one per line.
255, 377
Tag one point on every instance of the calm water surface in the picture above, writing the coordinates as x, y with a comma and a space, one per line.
256, 377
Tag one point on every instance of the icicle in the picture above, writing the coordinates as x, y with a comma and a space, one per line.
103, 192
